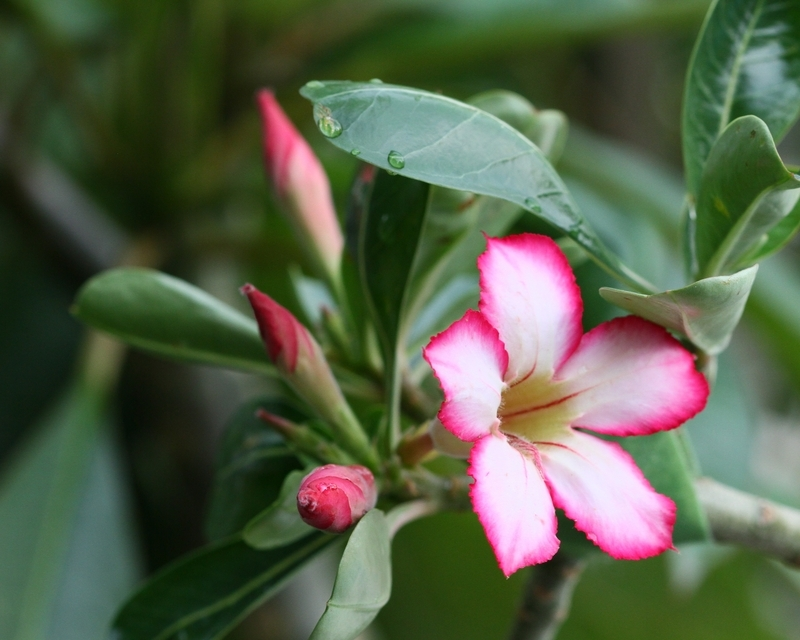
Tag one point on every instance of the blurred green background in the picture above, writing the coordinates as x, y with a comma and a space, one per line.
128, 132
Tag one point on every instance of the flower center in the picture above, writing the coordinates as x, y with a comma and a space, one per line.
536, 409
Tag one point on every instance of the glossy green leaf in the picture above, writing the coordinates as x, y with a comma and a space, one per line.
746, 62
251, 465
363, 582
456, 220
742, 195
706, 311
668, 463
66, 554
388, 246
170, 317
204, 595
280, 523
452, 144
778, 236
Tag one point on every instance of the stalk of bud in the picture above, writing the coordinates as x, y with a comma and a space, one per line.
334, 497
299, 359
302, 187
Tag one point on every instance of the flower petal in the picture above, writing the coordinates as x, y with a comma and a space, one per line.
513, 504
630, 377
529, 294
469, 360
599, 486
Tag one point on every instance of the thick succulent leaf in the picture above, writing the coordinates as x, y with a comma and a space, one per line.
741, 195
280, 523
363, 582
251, 466
444, 142
668, 462
204, 595
172, 318
706, 311
779, 235
746, 62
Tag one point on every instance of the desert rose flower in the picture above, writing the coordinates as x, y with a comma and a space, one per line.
522, 382
334, 497
301, 186
300, 360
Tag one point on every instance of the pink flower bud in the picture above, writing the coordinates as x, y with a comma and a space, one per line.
299, 359
301, 186
334, 497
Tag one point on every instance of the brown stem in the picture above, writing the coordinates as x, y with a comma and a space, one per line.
546, 599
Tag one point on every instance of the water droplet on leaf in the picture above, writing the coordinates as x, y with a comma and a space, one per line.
329, 127
355, 152
396, 159
314, 84
376, 81
533, 205
391, 173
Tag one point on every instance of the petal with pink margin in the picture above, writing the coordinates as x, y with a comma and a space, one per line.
599, 486
529, 294
469, 360
513, 504
628, 377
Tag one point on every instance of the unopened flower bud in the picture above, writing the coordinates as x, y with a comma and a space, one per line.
334, 497
299, 359
302, 187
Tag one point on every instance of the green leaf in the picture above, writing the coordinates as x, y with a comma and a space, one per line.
742, 195
251, 466
451, 144
204, 595
387, 249
172, 318
66, 554
363, 582
777, 237
706, 311
668, 463
280, 523
746, 62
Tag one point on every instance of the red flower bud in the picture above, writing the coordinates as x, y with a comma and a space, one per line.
301, 185
334, 497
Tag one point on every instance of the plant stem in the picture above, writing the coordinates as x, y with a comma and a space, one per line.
749, 521
546, 599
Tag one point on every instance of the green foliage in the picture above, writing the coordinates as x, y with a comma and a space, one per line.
66, 555
203, 595
745, 62
745, 191
706, 312
455, 145
363, 582
172, 318
251, 465
280, 523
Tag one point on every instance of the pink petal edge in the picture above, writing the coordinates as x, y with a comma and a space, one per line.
629, 376
529, 294
513, 504
599, 486
469, 361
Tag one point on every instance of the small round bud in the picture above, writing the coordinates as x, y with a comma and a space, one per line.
334, 497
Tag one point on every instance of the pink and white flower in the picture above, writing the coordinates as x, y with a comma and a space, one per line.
521, 382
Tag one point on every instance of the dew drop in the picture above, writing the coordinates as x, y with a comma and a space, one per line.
355, 152
396, 159
533, 205
314, 84
376, 81
391, 173
329, 127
